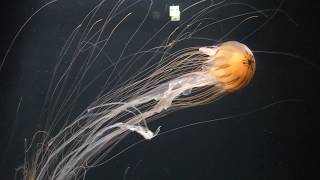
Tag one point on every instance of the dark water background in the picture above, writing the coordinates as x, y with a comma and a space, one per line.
279, 142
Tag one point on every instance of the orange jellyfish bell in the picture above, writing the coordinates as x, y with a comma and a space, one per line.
232, 64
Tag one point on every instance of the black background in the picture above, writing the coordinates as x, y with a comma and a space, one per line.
279, 142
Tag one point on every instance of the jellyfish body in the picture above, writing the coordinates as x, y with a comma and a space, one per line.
230, 67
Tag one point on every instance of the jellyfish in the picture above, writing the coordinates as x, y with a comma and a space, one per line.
193, 77
183, 78
179, 68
